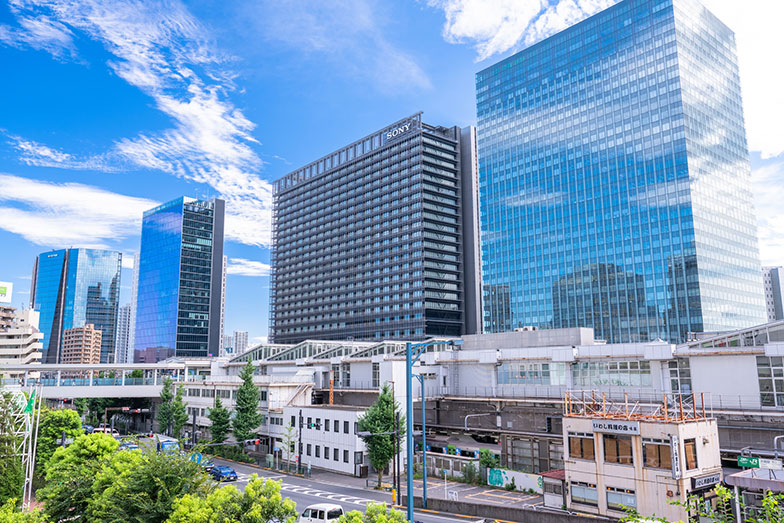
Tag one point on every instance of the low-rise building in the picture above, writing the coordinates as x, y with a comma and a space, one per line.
641, 456
81, 345
20, 342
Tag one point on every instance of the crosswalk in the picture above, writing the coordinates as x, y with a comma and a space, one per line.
310, 491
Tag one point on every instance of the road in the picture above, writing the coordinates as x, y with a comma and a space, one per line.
306, 492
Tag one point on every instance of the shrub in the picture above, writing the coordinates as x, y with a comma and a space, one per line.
469, 473
511, 485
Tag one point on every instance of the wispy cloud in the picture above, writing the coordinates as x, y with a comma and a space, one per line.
42, 33
39, 155
768, 186
496, 26
346, 32
160, 48
68, 214
243, 267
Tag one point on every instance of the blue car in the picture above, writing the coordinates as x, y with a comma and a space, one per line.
128, 446
223, 473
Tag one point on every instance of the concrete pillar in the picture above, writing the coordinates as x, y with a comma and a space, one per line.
92, 372
122, 371
57, 383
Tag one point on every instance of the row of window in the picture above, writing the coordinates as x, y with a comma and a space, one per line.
317, 452
334, 424
617, 498
656, 453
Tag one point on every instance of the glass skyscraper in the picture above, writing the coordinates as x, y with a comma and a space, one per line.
615, 179
377, 239
72, 288
179, 288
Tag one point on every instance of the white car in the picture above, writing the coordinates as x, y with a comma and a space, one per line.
321, 513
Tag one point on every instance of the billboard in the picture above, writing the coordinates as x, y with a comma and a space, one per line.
6, 287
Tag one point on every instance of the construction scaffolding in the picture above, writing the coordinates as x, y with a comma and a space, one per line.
669, 408
20, 426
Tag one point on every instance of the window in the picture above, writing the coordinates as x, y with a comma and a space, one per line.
326, 452
318, 423
356, 427
308, 451
690, 448
680, 375
584, 493
306, 514
345, 456
263, 395
336, 454
618, 498
770, 372
618, 449
375, 375
326, 425
358, 458
345, 427
335, 514
318, 451
656, 453
293, 421
337, 425
553, 488
310, 423
581, 445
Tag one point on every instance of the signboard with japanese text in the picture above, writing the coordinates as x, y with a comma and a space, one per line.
616, 426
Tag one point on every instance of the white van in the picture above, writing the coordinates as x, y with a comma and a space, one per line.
321, 513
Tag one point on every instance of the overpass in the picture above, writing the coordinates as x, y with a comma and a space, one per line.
105, 380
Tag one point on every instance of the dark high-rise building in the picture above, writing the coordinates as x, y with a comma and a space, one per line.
377, 240
72, 288
179, 291
615, 180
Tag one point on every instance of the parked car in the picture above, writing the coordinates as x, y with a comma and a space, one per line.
168, 445
223, 473
128, 446
321, 513
107, 430
88, 429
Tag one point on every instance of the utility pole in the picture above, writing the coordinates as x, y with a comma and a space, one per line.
299, 444
396, 461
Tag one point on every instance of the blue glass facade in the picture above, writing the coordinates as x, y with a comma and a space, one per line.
179, 289
74, 287
614, 179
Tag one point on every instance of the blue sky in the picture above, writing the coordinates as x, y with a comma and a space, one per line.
108, 108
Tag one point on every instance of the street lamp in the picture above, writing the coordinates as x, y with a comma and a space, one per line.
413, 352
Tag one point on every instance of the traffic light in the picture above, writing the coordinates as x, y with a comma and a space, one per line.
252, 442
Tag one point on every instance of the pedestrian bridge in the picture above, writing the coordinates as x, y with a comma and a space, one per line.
106, 380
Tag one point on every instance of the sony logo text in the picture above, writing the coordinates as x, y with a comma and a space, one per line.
397, 131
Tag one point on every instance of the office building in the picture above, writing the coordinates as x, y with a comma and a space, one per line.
377, 239
179, 296
240, 342
123, 349
221, 350
20, 340
615, 179
772, 280
74, 287
81, 345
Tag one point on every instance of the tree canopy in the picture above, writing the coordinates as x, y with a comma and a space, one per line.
380, 418
50, 433
247, 418
165, 416
221, 421
375, 513
179, 413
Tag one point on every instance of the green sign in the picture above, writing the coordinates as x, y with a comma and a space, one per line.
746, 461
3, 291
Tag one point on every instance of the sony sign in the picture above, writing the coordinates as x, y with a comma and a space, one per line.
397, 131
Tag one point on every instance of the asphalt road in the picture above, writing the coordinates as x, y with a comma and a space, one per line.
306, 492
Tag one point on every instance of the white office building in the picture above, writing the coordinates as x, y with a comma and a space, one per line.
20, 343
240, 342
123, 347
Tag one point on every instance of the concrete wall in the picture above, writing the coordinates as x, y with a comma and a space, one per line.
504, 513
522, 480
734, 378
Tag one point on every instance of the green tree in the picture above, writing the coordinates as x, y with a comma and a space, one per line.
50, 433
144, 485
221, 421
9, 514
247, 417
136, 374
375, 513
291, 439
179, 413
261, 502
380, 418
165, 415
11, 473
70, 476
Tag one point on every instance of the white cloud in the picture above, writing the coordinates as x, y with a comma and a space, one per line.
768, 187
39, 155
346, 32
161, 49
41, 33
127, 260
68, 214
243, 267
496, 26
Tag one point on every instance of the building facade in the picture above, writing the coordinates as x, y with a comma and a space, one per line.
71, 288
180, 287
20, 340
377, 240
614, 179
240, 342
773, 280
81, 345
123, 349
